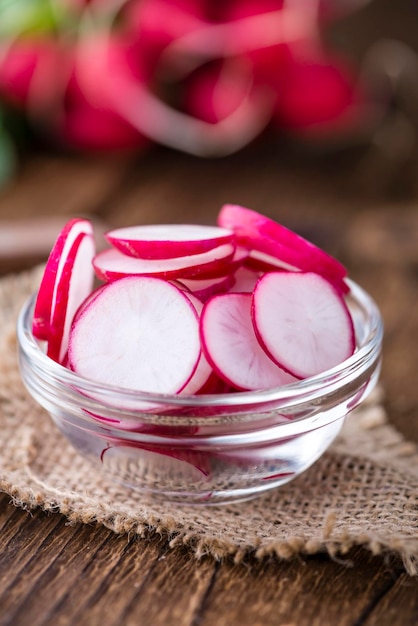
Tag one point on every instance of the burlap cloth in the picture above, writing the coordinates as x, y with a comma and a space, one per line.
364, 491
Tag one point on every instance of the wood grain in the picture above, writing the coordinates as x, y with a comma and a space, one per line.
308, 592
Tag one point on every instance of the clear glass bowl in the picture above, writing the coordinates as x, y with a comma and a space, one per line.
208, 448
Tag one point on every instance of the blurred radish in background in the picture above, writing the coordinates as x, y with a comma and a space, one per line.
200, 77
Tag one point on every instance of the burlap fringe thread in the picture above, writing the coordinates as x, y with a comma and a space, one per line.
366, 498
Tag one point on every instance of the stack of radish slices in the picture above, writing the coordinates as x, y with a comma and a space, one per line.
188, 309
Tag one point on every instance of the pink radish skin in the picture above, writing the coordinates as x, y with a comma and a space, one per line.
255, 231
139, 333
231, 347
74, 286
302, 322
167, 241
112, 264
55, 266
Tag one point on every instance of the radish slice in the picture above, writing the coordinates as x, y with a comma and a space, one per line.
239, 258
139, 333
203, 370
302, 322
205, 288
262, 262
167, 241
73, 287
56, 263
255, 231
112, 264
245, 280
231, 346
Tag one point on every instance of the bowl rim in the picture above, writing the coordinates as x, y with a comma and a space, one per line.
305, 390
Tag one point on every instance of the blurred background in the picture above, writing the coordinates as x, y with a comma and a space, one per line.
209, 78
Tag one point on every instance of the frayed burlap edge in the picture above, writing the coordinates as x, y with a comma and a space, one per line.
379, 447
335, 543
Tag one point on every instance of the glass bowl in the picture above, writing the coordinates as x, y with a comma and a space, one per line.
205, 448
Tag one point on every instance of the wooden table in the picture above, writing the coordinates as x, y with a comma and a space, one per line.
55, 573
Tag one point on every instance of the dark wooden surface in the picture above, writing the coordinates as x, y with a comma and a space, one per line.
55, 573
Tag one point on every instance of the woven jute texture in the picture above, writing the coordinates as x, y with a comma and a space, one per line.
364, 491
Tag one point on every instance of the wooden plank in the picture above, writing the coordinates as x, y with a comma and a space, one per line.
78, 583
85, 575
52, 573
173, 593
401, 602
20, 538
109, 584
308, 592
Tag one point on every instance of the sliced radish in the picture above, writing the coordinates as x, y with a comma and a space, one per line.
203, 370
238, 259
245, 280
167, 241
74, 286
56, 263
139, 333
255, 231
262, 262
215, 384
205, 288
302, 322
112, 264
231, 346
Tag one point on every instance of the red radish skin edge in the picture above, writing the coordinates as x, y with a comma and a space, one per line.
53, 270
167, 241
112, 265
73, 288
256, 231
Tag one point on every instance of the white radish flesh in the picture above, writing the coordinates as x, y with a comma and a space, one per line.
55, 265
112, 264
167, 241
231, 347
139, 333
302, 322
73, 287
